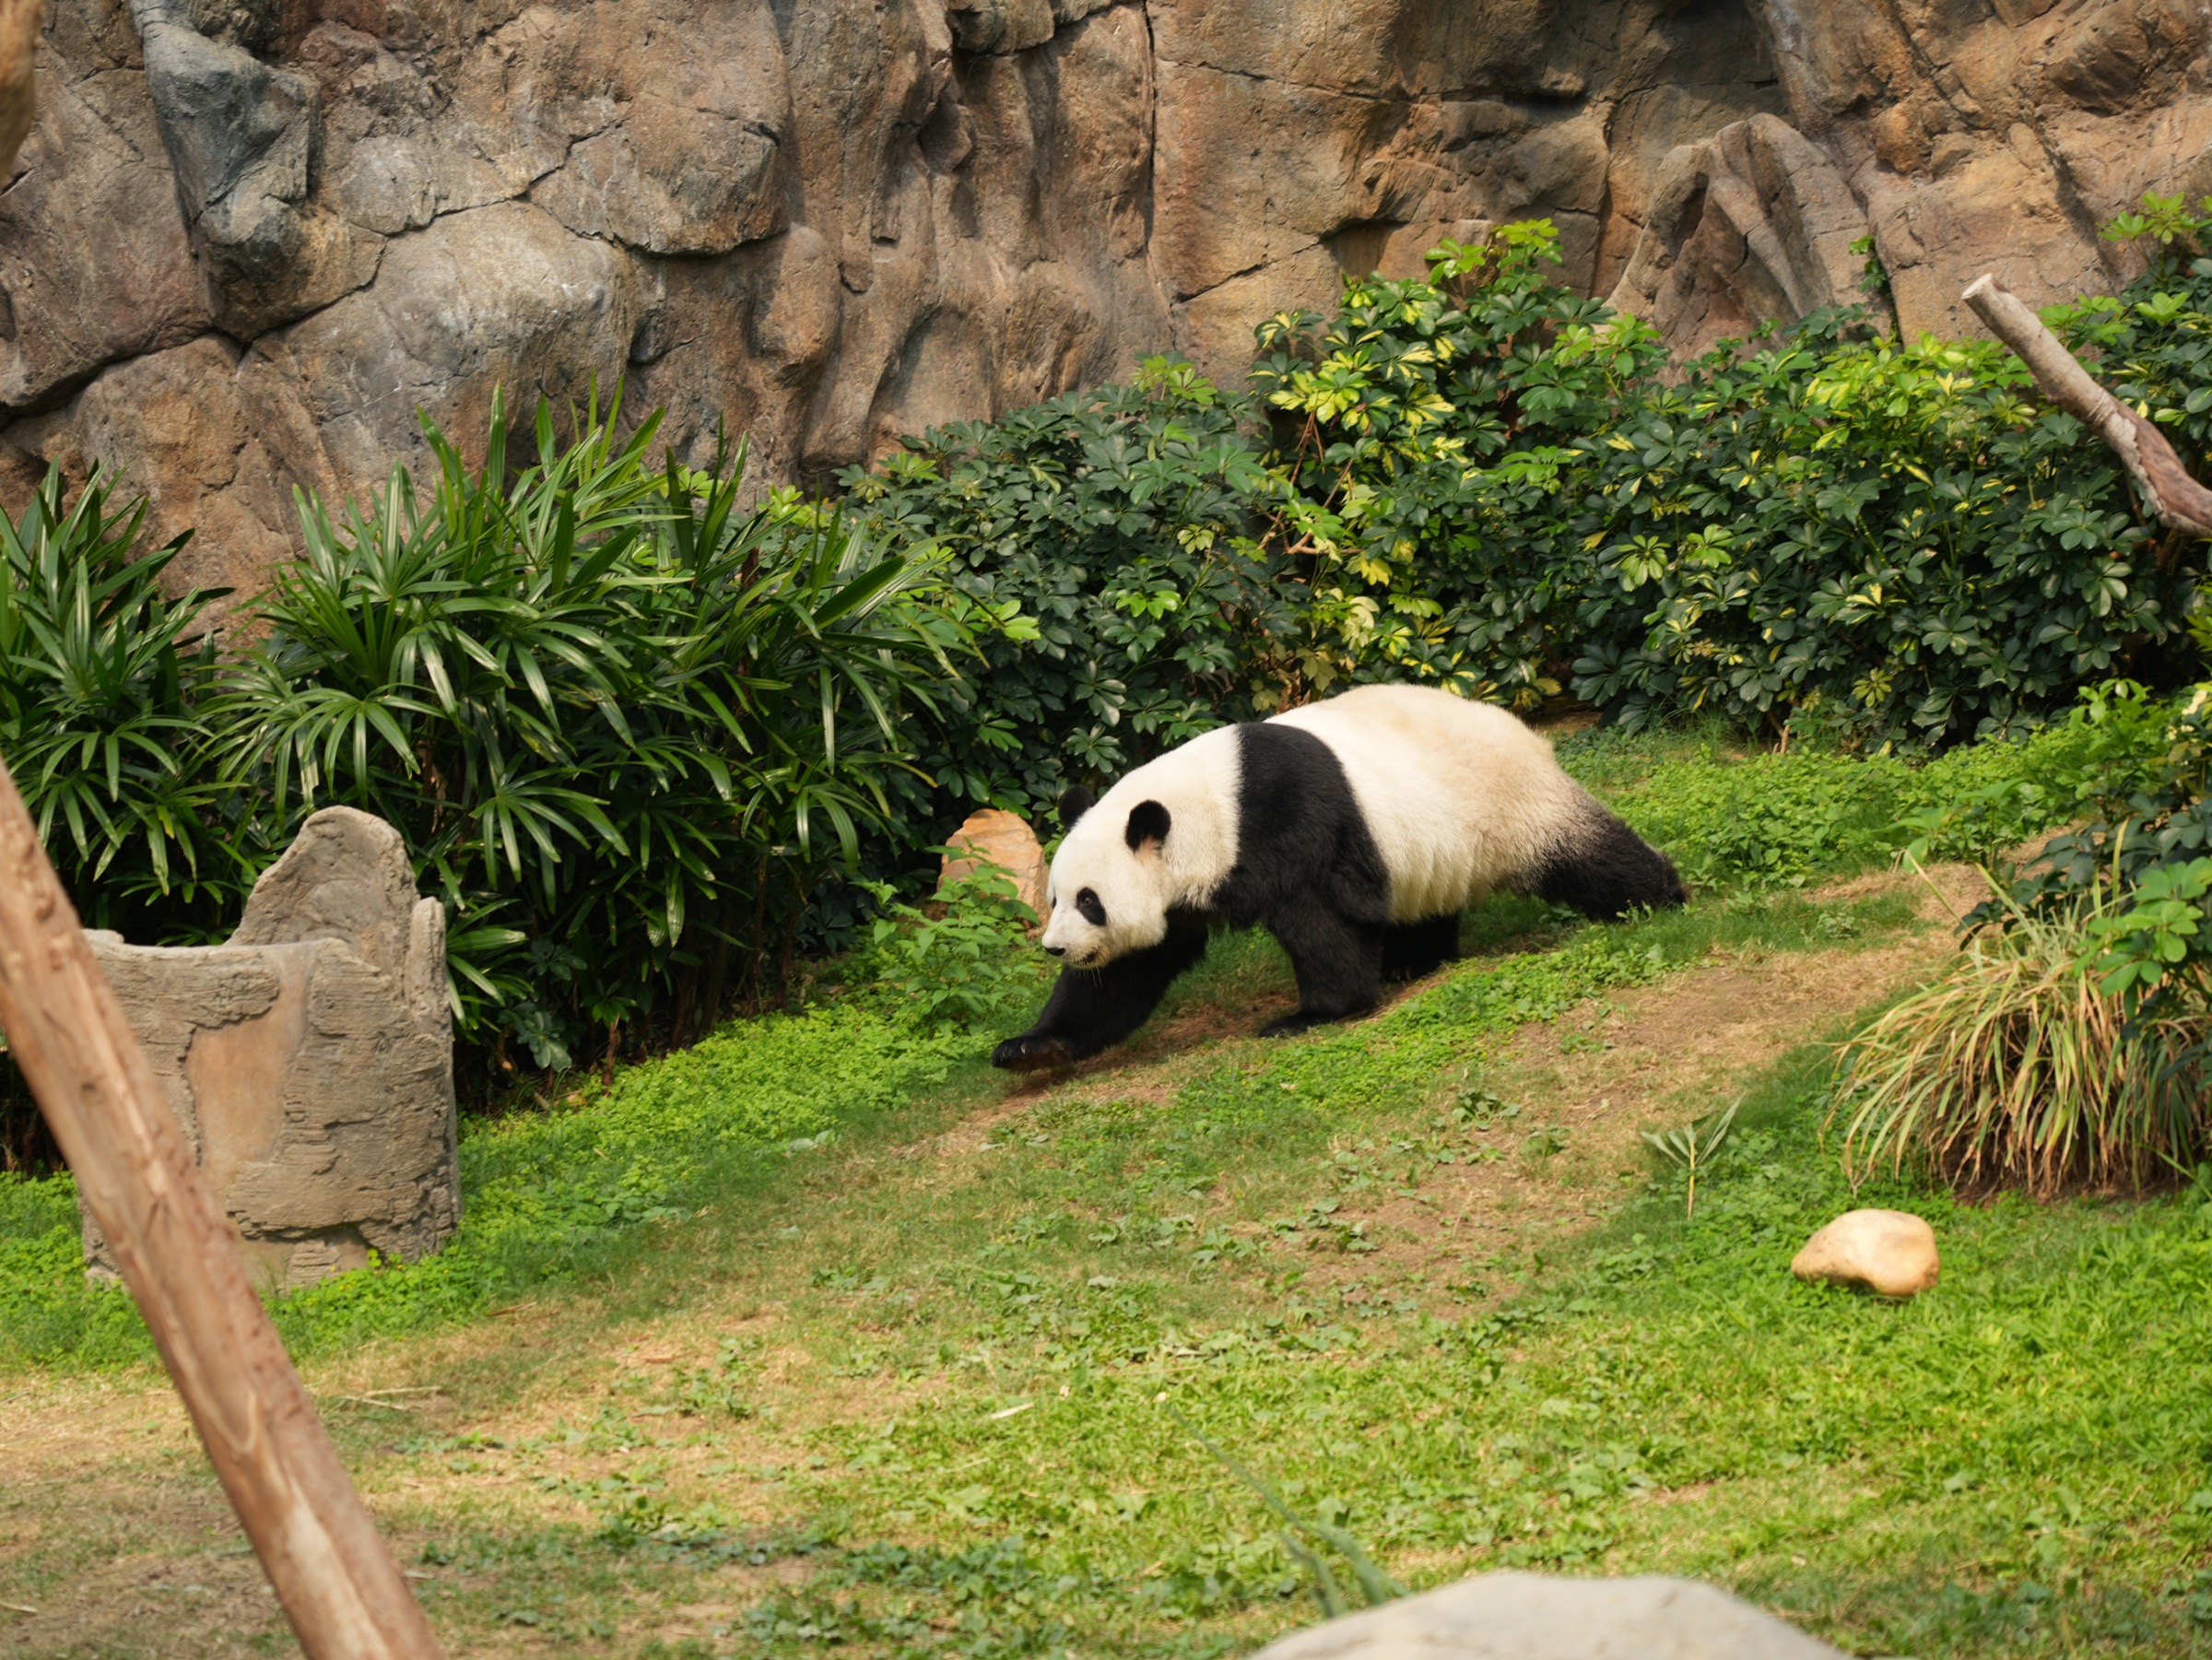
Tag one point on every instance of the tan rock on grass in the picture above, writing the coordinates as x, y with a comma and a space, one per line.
1889, 1252
994, 836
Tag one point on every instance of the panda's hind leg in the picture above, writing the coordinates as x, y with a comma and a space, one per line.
1412, 949
1605, 870
1338, 963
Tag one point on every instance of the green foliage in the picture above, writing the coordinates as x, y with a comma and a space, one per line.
1877, 541
1483, 480
1874, 276
961, 960
614, 716
2135, 880
1432, 422
1120, 521
1693, 1148
102, 687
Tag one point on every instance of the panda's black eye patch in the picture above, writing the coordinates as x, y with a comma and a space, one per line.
1093, 913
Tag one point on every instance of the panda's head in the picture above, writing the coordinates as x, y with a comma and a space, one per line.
1107, 893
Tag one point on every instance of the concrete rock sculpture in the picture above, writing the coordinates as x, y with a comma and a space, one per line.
1889, 1251
309, 1058
1536, 1617
244, 242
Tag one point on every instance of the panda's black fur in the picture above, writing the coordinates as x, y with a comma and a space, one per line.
1308, 869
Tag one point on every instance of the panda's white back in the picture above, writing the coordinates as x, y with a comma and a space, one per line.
1459, 795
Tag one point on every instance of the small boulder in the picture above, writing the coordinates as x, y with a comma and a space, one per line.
1890, 1251
1512, 1616
996, 837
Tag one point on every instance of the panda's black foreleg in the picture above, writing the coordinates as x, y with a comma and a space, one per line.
1092, 1009
1338, 963
1412, 949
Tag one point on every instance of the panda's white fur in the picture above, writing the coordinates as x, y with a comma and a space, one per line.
1198, 782
1355, 830
1459, 796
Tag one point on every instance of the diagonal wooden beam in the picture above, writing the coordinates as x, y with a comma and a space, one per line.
339, 1586
2178, 499
20, 26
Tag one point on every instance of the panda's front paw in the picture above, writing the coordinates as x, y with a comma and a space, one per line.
1030, 1054
1289, 1025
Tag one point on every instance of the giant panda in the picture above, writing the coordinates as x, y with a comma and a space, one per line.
1354, 830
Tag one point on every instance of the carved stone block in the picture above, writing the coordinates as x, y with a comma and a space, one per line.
309, 1059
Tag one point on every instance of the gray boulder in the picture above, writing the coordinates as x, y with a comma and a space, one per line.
1536, 1617
309, 1059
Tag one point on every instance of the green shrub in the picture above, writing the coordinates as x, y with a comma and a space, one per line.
2140, 869
1872, 541
102, 686
961, 961
1120, 520
103, 682
628, 731
1484, 480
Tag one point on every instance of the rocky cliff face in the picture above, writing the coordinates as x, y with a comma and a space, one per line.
249, 239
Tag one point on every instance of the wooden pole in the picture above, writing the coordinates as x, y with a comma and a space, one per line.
338, 1584
20, 26
2178, 499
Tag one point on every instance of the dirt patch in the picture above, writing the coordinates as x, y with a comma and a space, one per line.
1585, 1084
111, 1527
1940, 893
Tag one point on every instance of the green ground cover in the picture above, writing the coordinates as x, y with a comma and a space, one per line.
932, 1353
553, 1193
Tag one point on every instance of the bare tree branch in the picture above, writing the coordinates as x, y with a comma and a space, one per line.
20, 23
2179, 500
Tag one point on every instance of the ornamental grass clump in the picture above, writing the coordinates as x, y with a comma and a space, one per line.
2019, 1068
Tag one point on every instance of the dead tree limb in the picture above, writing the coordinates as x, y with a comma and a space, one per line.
19, 24
2179, 500
340, 1588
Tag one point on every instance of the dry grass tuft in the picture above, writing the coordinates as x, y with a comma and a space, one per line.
2014, 1070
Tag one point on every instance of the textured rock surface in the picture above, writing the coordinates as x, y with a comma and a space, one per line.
245, 241
309, 1058
1891, 1251
1533, 1616
1003, 839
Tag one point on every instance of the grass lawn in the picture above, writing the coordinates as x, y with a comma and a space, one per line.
823, 1339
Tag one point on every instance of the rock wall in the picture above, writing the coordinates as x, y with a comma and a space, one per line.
249, 239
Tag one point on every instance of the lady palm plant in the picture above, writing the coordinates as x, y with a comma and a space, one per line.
102, 677
100, 682
623, 725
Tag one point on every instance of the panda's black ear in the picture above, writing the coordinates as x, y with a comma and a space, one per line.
1148, 821
1075, 802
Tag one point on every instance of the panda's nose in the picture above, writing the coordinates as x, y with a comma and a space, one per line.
1056, 950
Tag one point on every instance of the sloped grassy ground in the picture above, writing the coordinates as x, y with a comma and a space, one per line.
822, 1339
